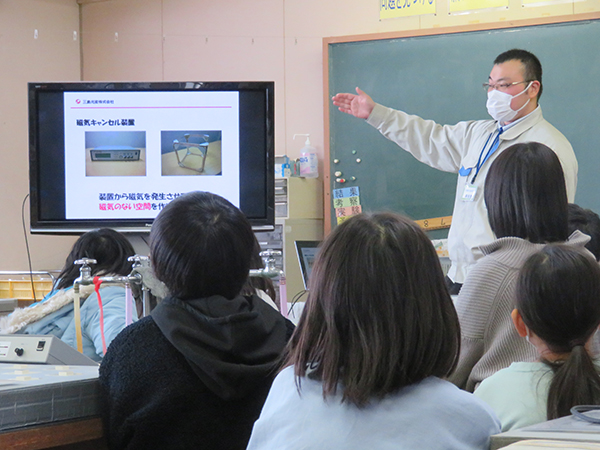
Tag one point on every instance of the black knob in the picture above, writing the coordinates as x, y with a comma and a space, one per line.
19, 351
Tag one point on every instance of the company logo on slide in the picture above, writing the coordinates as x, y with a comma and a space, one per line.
94, 102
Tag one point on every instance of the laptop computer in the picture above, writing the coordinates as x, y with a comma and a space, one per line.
307, 252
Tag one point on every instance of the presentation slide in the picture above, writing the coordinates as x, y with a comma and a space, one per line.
127, 154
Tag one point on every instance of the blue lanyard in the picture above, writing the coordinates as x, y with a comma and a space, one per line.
493, 148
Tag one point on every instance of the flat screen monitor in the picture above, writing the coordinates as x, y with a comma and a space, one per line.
307, 253
114, 154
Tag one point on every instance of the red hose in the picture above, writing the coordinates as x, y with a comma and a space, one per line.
97, 283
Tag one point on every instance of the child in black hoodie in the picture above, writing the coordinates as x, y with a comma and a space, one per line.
196, 372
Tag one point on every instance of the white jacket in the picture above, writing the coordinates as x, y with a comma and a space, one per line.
450, 147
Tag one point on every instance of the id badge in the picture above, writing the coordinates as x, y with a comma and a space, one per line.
469, 193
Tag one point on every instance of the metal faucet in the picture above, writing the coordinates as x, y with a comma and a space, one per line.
270, 270
85, 273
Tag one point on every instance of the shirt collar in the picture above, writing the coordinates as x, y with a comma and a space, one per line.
508, 126
515, 129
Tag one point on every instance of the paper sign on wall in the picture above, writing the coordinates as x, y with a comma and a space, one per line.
389, 9
543, 2
468, 5
346, 202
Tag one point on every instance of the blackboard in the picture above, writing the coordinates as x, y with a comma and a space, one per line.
439, 77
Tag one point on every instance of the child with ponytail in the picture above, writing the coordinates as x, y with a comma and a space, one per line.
558, 312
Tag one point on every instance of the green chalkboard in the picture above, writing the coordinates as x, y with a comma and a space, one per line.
439, 77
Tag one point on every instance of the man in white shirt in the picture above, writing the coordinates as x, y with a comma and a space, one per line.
468, 148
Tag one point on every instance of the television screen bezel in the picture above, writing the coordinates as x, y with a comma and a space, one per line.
39, 225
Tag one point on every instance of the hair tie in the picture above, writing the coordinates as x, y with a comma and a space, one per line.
577, 344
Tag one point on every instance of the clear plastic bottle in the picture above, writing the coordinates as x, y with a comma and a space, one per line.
309, 163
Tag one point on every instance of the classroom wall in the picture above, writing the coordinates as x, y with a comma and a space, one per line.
53, 56
149, 40
278, 40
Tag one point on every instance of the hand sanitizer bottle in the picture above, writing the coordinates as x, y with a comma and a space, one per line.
309, 163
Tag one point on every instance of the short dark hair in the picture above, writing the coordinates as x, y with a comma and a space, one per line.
200, 245
525, 194
558, 297
108, 247
588, 222
378, 315
531, 64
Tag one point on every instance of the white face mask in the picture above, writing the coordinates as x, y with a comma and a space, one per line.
498, 105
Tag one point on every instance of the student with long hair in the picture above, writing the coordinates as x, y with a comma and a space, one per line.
196, 372
364, 366
54, 315
526, 202
558, 312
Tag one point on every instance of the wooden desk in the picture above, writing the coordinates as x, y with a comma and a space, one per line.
50, 407
86, 434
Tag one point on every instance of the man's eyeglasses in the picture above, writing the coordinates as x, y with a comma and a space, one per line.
501, 86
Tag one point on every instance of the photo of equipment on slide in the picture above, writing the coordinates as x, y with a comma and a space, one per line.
192, 152
115, 153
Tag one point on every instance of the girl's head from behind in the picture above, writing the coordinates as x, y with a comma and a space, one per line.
558, 296
378, 316
201, 245
558, 300
108, 247
525, 194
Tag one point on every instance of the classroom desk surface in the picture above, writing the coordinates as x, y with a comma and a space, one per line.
47, 406
567, 428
